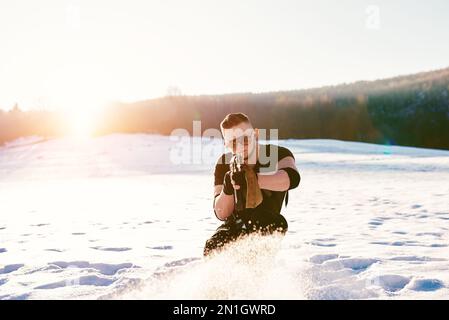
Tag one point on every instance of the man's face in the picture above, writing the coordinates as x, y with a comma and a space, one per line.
241, 139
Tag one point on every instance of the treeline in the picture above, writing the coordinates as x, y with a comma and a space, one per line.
408, 110
17, 123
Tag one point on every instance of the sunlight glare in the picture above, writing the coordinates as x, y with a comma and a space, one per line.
82, 121
81, 124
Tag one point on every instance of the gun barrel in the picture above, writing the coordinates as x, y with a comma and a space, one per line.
238, 194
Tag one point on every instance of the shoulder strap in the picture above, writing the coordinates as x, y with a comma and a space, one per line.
286, 199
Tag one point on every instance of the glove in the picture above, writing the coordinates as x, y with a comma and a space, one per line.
247, 180
238, 178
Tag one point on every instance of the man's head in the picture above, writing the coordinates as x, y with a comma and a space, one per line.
239, 135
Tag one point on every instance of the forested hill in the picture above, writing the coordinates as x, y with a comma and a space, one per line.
407, 110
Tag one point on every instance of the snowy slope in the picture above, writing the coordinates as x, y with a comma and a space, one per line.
113, 217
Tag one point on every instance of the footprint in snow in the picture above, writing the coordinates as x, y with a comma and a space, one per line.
374, 223
399, 232
11, 268
320, 258
103, 268
119, 249
40, 225
435, 234
324, 242
355, 264
426, 285
90, 280
55, 250
161, 247
389, 282
321, 244
416, 259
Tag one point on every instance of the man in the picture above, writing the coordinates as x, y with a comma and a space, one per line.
267, 173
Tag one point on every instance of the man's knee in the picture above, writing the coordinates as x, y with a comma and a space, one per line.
278, 224
217, 241
209, 247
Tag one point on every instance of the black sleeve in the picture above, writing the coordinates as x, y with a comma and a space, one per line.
221, 167
220, 170
284, 153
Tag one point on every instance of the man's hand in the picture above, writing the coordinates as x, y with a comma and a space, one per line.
233, 181
238, 179
237, 169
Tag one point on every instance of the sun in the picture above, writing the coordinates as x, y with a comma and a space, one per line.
81, 121
81, 94
81, 124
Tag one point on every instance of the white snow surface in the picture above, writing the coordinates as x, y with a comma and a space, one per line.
116, 217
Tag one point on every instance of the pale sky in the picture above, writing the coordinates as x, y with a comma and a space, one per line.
74, 52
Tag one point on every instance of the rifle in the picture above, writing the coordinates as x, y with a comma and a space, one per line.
239, 195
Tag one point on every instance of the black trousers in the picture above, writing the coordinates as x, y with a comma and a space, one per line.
240, 225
